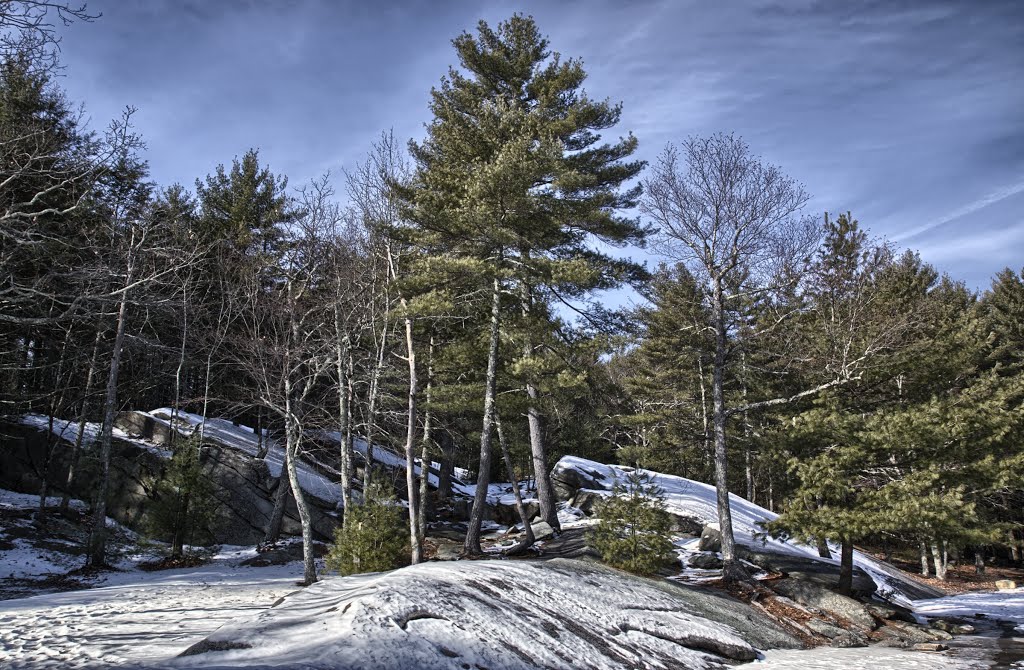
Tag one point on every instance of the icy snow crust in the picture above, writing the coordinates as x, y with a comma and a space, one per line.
493, 614
689, 498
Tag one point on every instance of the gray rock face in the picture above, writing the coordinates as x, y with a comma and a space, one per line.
807, 569
706, 561
812, 595
242, 485
909, 633
568, 480
586, 500
508, 515
542, 530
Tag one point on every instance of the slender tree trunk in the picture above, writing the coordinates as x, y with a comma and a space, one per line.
539, 454
748, 461
979, 561
708, 449
538, 447
371, 403
924, 559
181, 512
410, 448
284, 488
528, 537
98, 537
1014, 548
846, 567
342, 344
732, 568
350, 399
179, 369
293, 436
823, 550
56, 404
472, 546
940, 566
444, 477
83, 414
748, 466
421, 526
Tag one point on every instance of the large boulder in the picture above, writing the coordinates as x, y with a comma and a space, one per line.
507, 514
806, 568
242, 486
813, 595
569, 477
710, 538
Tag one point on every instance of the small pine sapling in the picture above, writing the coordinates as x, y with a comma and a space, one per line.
374, 536
184, 505
633, 531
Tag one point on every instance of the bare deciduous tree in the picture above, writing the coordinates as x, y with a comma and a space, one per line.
732, 219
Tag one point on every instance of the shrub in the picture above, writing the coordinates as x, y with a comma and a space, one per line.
183, 504
633, 528
373, 538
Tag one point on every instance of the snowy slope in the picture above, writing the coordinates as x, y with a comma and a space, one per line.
687, 497
68, 431
492, 614
244, 439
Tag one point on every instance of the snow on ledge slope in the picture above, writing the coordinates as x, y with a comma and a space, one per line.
686, 497
492, 614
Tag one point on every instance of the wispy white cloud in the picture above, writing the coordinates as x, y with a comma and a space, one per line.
970, 208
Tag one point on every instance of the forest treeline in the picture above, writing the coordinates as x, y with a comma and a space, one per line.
444, 299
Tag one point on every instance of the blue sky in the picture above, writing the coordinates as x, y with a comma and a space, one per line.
909, 114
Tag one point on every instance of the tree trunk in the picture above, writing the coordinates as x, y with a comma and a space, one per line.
1014, 548
940, 565
979, 561
293, 435
924, 559
846, 567
538, 447
284, 487
823, 550
483, 478
56, 405
732, 568
539, 454
98, 537
83, 414
708, 448
528, 538
444, 477
371, 403
345, 457
421, 526
410, 437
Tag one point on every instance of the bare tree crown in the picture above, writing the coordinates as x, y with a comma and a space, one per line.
721, 210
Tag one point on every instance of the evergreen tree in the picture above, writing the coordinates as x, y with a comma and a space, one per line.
373, 538
513, 183
633, 527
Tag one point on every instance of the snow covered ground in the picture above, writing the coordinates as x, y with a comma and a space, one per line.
863, 658
1002, 605
138, 618
690, 498
493, 614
